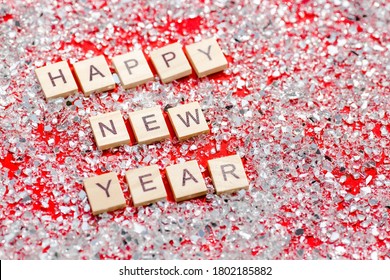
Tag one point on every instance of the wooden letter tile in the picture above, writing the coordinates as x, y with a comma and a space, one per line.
56, 80
146, 185
186, 180
104, 193
109, 130
170, 63
94, 75
132, 69
228, 174
206, 57
188, 120
149, 125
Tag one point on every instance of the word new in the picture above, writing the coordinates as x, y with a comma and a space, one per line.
94, 74
149, 125
146, 185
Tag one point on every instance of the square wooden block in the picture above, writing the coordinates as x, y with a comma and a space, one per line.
206, 57
94, 75
188, 120
56, 80
104, 193
132, 69
186, 180
109, 130
170, 62
149, 125
228, 174
146, 185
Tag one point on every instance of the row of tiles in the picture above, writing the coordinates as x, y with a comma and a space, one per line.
94, 74
148, 125
146, 186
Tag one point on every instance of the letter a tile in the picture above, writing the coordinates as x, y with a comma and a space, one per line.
186, 180
94, 75
104, 193
149, 125
170, 63
206, 57
109, 130
188, 120
146, 185
228, 174
132, 69
56, 80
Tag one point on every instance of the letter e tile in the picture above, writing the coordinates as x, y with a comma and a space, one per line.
149, 125
132, 69
228, 174
109, 130
56, 80
104, 193
206, 57
188, 120
170, 62
186, 180
146, 185
94, 75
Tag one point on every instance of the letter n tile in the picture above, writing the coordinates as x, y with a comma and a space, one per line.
109, 130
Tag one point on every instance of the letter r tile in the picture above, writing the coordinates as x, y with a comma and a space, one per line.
206, 57
146, 185
149, 125
56, 80
132, 69
186, 180
109, 130
94, 75
104, 193
170, 62
188, 120
228, 174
